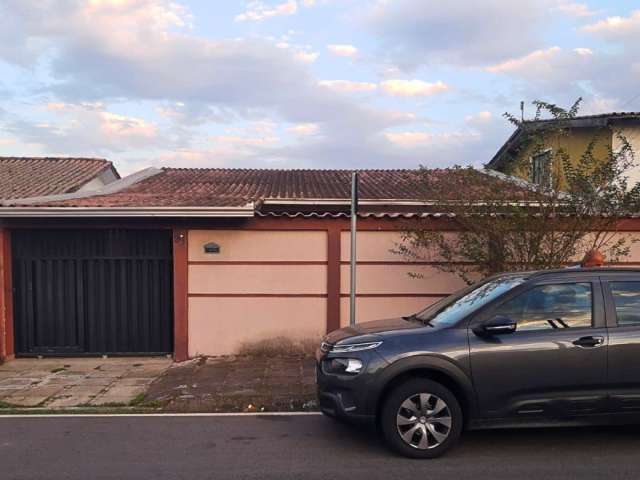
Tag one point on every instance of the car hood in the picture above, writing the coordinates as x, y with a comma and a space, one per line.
369, 331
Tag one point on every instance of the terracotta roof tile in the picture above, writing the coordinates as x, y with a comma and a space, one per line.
22, 177
204, 187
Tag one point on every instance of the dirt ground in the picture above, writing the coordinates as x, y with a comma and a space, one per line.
237, 384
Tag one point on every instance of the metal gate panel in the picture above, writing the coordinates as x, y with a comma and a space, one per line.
92, 291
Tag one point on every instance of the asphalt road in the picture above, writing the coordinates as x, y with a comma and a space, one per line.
286, 447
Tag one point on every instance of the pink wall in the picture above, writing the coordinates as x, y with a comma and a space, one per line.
251, 245
258, 279
219, 326
262, 284
384, 278
374, 308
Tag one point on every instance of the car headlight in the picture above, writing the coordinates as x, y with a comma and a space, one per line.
343, 366
355, 347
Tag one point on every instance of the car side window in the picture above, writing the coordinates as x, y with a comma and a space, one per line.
626, 298
551, 307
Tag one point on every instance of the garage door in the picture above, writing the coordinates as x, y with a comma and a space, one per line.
90, 292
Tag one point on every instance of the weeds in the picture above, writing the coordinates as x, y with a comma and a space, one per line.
279, 346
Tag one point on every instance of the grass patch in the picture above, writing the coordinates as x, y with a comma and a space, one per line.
109, 405
138, 400
6, 405
60, 369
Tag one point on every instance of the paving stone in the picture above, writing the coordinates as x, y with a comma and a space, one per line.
9, 392
46, 391
29, 382
70, 401
133, 382
83, 390
144, 373
96, 381
25, 401
13, 381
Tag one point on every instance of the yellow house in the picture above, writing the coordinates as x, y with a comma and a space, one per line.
518, 158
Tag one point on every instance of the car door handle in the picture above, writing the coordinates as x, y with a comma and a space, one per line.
589, 342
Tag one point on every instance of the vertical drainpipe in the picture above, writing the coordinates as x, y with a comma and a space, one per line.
354, 227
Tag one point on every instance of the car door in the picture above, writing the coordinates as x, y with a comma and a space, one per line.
555, 363
622, 303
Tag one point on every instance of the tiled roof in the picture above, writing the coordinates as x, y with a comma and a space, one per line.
22, 177
608, 116
584, 121
229, 187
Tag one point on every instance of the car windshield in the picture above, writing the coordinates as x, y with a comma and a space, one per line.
454, 308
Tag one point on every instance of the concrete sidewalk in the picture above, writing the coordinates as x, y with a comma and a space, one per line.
73, 382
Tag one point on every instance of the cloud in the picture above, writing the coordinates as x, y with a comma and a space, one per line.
480, 118
408, 139
85, 129
574, 9
244, 141
343, 50
258, 11
303, 129
535, 59
561, 75
98, 54
131, 49
347, 86
306, 57
616, 28
415, 32
413, 88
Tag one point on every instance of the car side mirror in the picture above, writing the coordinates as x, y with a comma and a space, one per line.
498, 325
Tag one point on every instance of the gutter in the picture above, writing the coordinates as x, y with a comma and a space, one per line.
244, 211
345, 201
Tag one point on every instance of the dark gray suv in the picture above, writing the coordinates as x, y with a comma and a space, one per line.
557, 347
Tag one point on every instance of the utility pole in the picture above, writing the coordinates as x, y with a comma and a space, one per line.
354, 227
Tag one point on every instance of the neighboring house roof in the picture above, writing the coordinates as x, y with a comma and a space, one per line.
22, 177
586, 121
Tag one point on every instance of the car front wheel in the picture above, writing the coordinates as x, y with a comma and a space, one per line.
421, 419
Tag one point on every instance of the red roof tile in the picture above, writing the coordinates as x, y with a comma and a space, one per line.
22, 177
226, 187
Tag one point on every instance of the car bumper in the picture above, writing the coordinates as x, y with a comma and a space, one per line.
333, 405
349, 398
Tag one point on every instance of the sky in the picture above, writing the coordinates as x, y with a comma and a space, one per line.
301, 83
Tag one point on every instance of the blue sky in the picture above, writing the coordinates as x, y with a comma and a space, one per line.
301, 83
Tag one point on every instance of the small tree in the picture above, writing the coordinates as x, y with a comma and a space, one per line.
502, 223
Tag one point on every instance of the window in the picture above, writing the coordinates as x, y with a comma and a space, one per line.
541, 168
626, 297
452, 309
549, 307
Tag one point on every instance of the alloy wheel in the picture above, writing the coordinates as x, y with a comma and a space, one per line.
424, 421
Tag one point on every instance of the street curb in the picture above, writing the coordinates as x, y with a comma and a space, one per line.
67, 414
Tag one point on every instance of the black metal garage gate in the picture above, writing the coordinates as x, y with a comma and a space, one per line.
91, 292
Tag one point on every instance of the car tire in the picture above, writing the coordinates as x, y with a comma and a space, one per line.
421, 419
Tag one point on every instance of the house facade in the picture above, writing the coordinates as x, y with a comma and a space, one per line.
194, 262
517, 158
202, 262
